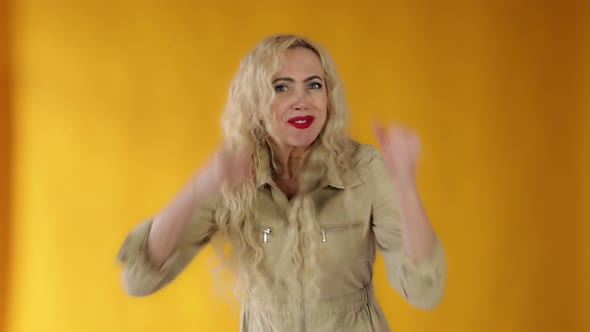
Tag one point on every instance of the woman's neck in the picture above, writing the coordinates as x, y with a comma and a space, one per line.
290, 158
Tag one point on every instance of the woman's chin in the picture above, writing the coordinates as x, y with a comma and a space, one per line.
302, 142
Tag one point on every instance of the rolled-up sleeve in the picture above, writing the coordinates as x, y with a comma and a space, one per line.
421, 284
140, 277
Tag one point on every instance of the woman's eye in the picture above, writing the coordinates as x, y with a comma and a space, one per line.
280, 88
315, 85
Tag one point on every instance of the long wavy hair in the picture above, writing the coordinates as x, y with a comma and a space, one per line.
244, 122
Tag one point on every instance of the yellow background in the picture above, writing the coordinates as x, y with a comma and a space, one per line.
108, 106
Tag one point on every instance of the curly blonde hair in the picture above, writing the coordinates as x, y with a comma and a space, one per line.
247, 111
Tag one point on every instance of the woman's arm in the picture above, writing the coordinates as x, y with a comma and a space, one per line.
157, 250
418, 236
401, 149
170, 223
413, 254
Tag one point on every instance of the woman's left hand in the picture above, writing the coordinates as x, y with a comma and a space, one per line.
401, 148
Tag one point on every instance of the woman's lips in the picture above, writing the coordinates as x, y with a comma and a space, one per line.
301, 122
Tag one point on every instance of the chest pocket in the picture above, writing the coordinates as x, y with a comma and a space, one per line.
343, 246
335, 232
342, 216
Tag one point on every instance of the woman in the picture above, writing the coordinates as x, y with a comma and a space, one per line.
302, 207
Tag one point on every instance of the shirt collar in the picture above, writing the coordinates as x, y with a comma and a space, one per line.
334, 177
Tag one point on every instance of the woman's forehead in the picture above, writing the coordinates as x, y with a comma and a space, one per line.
300, 63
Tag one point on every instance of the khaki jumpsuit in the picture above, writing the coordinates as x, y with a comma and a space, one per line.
345, 203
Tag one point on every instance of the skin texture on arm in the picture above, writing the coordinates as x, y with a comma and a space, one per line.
413, 254
157, 250
169, 225
400, 149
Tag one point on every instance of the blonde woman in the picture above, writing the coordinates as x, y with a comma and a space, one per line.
301, 205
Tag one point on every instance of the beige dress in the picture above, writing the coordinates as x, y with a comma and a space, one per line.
358, 214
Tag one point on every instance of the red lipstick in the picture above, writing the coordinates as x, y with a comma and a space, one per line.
301, 122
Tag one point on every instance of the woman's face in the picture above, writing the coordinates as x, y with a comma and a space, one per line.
300, 104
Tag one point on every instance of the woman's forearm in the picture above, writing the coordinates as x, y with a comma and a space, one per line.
170, 223
418, 236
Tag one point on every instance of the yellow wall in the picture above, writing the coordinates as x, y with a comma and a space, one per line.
583, 162
117, 102
5, 156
